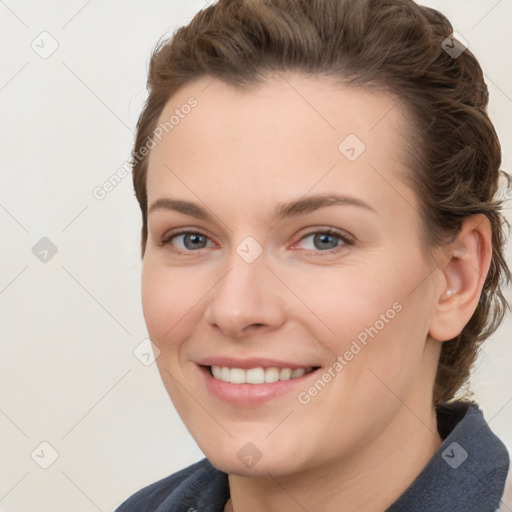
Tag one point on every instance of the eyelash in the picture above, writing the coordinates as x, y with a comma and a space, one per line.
345, 239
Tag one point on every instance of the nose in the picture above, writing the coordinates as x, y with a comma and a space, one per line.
247, 299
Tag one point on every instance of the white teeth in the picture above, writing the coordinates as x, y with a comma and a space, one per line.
271, 375
237, 376
299, 372
224, 373
217, 372
285, 374
256, 375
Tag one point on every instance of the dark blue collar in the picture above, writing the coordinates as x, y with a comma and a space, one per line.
467, 473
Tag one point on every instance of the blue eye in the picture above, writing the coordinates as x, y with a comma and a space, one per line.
190, 240
326, 241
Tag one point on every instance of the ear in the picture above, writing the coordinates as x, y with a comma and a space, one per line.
465, 270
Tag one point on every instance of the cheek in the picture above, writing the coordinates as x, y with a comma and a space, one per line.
170, 303
170, 299
344, 301
367, 315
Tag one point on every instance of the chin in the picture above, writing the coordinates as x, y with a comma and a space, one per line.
260, 468
255, 459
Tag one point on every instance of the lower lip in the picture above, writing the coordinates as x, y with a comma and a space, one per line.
250, 394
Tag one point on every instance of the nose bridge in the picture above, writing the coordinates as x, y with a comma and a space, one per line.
245, 296
242, 287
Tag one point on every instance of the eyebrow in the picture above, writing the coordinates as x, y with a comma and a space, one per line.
281, 211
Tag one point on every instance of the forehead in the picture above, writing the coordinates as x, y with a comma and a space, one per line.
290, 128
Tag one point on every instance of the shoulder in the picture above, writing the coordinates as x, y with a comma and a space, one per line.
186, 489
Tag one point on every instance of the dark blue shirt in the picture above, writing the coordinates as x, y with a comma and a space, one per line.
466, 474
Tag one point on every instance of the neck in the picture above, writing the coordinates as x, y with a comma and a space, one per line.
371, 481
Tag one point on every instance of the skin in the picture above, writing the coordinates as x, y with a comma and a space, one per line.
363, 439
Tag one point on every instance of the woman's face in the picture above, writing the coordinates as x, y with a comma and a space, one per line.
252, 267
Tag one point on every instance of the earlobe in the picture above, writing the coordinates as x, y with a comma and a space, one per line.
469, 258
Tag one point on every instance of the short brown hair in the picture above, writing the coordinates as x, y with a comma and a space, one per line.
395, 46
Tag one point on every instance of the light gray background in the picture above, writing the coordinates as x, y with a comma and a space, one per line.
69, 326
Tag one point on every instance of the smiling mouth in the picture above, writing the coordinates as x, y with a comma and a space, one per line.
258, 375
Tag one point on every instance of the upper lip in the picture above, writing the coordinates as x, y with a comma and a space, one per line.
251, 363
